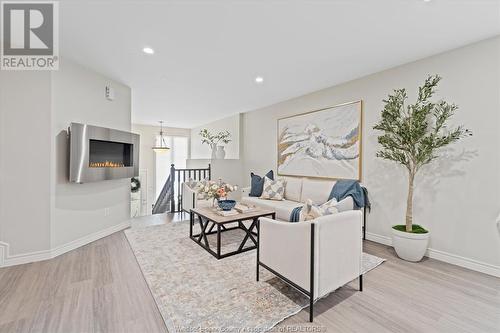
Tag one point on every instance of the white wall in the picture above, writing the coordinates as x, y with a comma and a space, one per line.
41, 213
203, 151
25, 160
79, 209
230, 172
147, 156
457, 197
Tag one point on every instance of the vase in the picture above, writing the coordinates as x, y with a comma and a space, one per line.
220, 153
214, 152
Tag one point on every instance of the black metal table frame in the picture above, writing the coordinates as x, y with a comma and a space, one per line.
204, 222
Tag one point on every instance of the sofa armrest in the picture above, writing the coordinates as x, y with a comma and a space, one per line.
245, 191
286, 249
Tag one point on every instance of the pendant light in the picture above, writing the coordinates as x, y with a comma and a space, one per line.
163, 146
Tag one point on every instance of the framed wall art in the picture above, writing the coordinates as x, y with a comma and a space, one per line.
324, 143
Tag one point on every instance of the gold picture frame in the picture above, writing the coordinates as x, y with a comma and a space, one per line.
316, 166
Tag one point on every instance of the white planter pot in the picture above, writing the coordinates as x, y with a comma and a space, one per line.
410, 246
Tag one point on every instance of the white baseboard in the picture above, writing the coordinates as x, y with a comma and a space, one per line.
3, 252
464, 262
378, 238
57, 251
450, 258
10, 260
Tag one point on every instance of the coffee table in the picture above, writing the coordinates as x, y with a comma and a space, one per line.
208, 220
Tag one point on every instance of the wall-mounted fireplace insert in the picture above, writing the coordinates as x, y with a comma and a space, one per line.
110, 154
99, 153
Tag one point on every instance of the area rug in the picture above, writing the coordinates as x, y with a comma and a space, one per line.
196, 292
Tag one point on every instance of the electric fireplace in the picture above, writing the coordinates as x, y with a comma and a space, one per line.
98, 153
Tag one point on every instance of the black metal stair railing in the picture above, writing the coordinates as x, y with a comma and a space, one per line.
162, 204
172, 189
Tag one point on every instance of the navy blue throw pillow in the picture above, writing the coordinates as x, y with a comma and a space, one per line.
257, 183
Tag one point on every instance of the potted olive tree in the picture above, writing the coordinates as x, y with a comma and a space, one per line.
412, 136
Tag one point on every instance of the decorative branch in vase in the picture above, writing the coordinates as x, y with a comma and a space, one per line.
215, 142
412, 136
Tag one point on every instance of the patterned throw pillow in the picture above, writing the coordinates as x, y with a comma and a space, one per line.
257, 183
192, 184
273, 189
310, 211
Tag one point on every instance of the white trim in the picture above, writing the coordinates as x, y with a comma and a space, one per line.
57, 251
10, 260
464, 262
379, 239
25, 258
4, 249
450, 258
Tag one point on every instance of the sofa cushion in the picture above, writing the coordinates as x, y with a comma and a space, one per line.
317, 190
293, 188
257, 183
282, 208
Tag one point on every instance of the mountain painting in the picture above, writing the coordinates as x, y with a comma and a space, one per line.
325, 143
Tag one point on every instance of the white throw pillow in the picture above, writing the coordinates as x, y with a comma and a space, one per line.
273, 189
310, 211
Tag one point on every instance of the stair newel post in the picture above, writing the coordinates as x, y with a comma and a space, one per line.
172, 188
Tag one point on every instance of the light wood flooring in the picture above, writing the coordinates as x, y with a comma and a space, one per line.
100, 288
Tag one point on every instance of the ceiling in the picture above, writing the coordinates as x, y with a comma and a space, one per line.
208, 53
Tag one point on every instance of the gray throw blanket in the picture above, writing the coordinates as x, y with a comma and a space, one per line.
347, 187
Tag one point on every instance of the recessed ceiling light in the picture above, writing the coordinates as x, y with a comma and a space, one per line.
427, 0
259, 79
148, 50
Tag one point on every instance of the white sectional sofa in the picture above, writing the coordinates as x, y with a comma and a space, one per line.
297, 191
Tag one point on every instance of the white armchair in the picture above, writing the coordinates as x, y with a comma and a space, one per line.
316, 257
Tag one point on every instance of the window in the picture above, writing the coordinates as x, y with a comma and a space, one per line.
177, 155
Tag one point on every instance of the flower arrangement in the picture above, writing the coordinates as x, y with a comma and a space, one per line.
215, 190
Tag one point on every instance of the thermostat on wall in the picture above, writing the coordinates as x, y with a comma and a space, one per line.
110, 93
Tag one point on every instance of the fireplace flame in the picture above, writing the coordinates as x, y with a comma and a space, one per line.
107, 164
